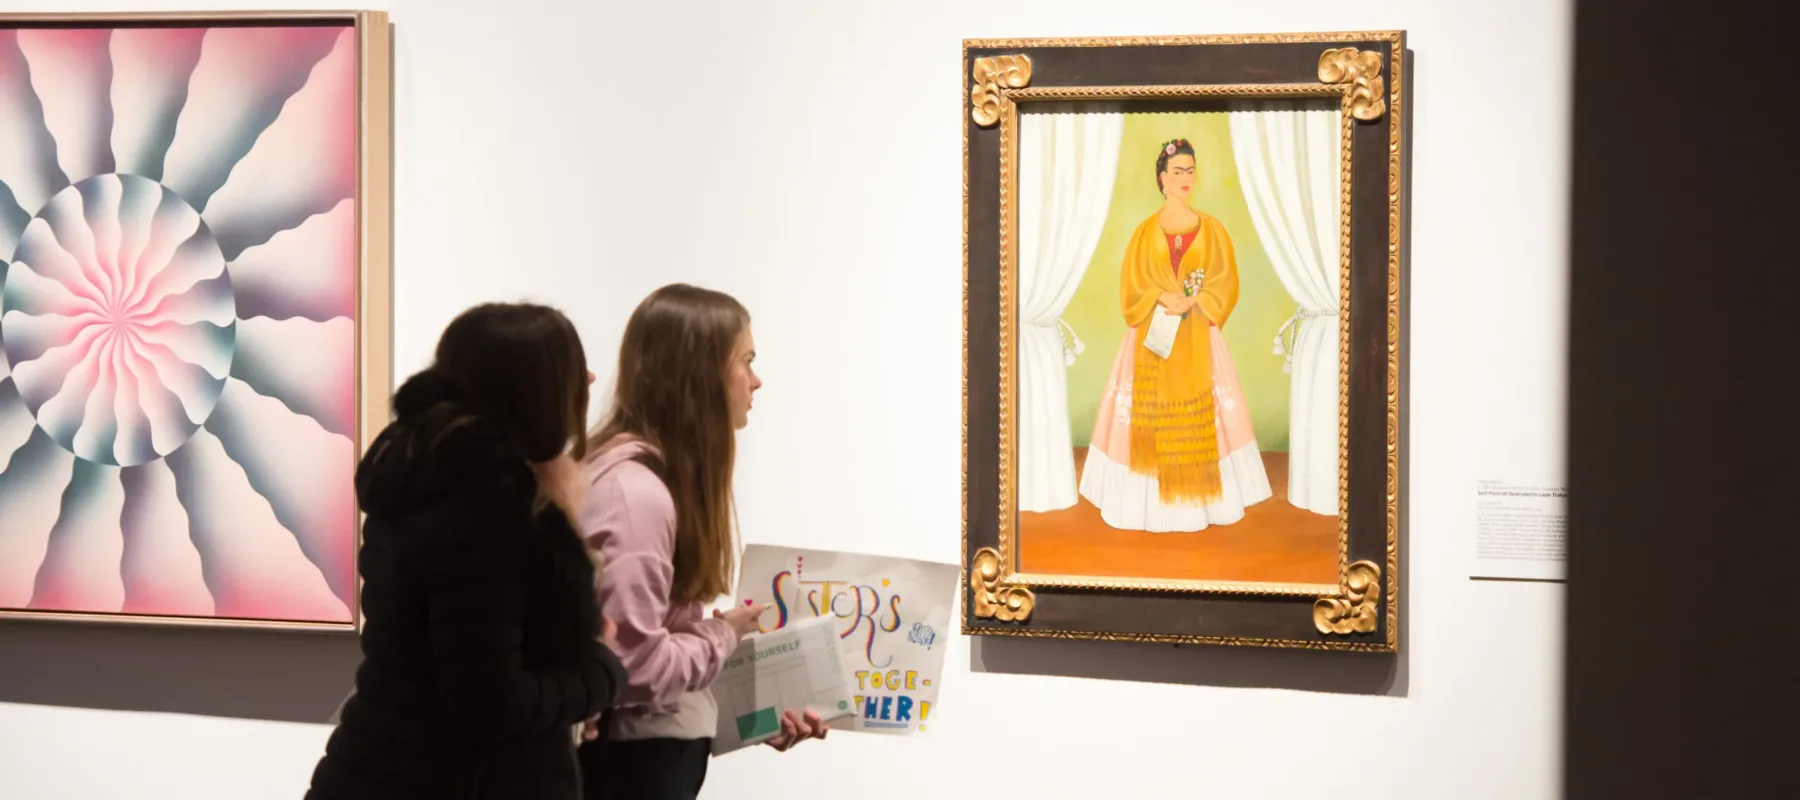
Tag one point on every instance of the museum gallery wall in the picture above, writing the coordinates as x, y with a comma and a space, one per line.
935, 385
1182, 324
193, 219
194, 222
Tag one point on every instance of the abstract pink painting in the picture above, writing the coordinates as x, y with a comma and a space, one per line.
180, 266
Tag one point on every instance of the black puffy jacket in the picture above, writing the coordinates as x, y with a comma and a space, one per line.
480, 645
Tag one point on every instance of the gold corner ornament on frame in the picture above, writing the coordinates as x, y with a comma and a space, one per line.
1111, 536
1360, 72
994, 599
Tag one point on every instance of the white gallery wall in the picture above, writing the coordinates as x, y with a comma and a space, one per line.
805, 156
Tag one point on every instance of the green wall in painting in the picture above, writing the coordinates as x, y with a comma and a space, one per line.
1263, 305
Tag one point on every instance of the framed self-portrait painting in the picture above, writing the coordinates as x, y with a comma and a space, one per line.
1183, 321
194, 279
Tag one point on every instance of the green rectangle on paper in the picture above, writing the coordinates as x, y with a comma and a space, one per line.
760, 722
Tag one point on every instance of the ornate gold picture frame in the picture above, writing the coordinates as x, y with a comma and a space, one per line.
1304, 549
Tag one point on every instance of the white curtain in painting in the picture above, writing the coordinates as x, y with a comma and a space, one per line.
1066, 168
1288, 160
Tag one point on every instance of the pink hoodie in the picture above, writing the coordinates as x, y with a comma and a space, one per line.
671, 653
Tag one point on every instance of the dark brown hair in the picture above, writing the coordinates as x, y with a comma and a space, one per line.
521, 366
671, 391
1170, 149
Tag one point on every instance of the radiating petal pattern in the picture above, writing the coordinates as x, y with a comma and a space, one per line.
86, 533
16, 424
192, 260
252, 564
285, 278
99, 368
304, 164
5, 365
67, 343
47, 310
300, 363
56, 265
244, 77
28, 166
178, 297
31, 494
151, 67
13, 220
285, 457
172, 225
160, 566
71, 72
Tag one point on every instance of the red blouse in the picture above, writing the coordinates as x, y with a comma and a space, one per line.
1178, 247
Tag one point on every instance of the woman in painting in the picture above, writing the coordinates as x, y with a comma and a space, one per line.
1173, 449
483, 650
660, 511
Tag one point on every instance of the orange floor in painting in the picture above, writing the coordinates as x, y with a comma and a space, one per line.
1274, 542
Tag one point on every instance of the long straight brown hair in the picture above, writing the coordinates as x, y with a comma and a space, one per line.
672, 392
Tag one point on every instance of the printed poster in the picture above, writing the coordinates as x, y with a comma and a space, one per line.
892, 615
797, 668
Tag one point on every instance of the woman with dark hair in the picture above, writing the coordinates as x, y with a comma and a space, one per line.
1173, 448
660, 511
483, 649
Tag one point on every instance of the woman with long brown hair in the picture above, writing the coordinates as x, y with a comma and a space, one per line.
660, 511
482, 649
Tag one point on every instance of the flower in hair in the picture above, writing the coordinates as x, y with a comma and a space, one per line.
1170, 149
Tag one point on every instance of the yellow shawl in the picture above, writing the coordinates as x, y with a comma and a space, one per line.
1173, 426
